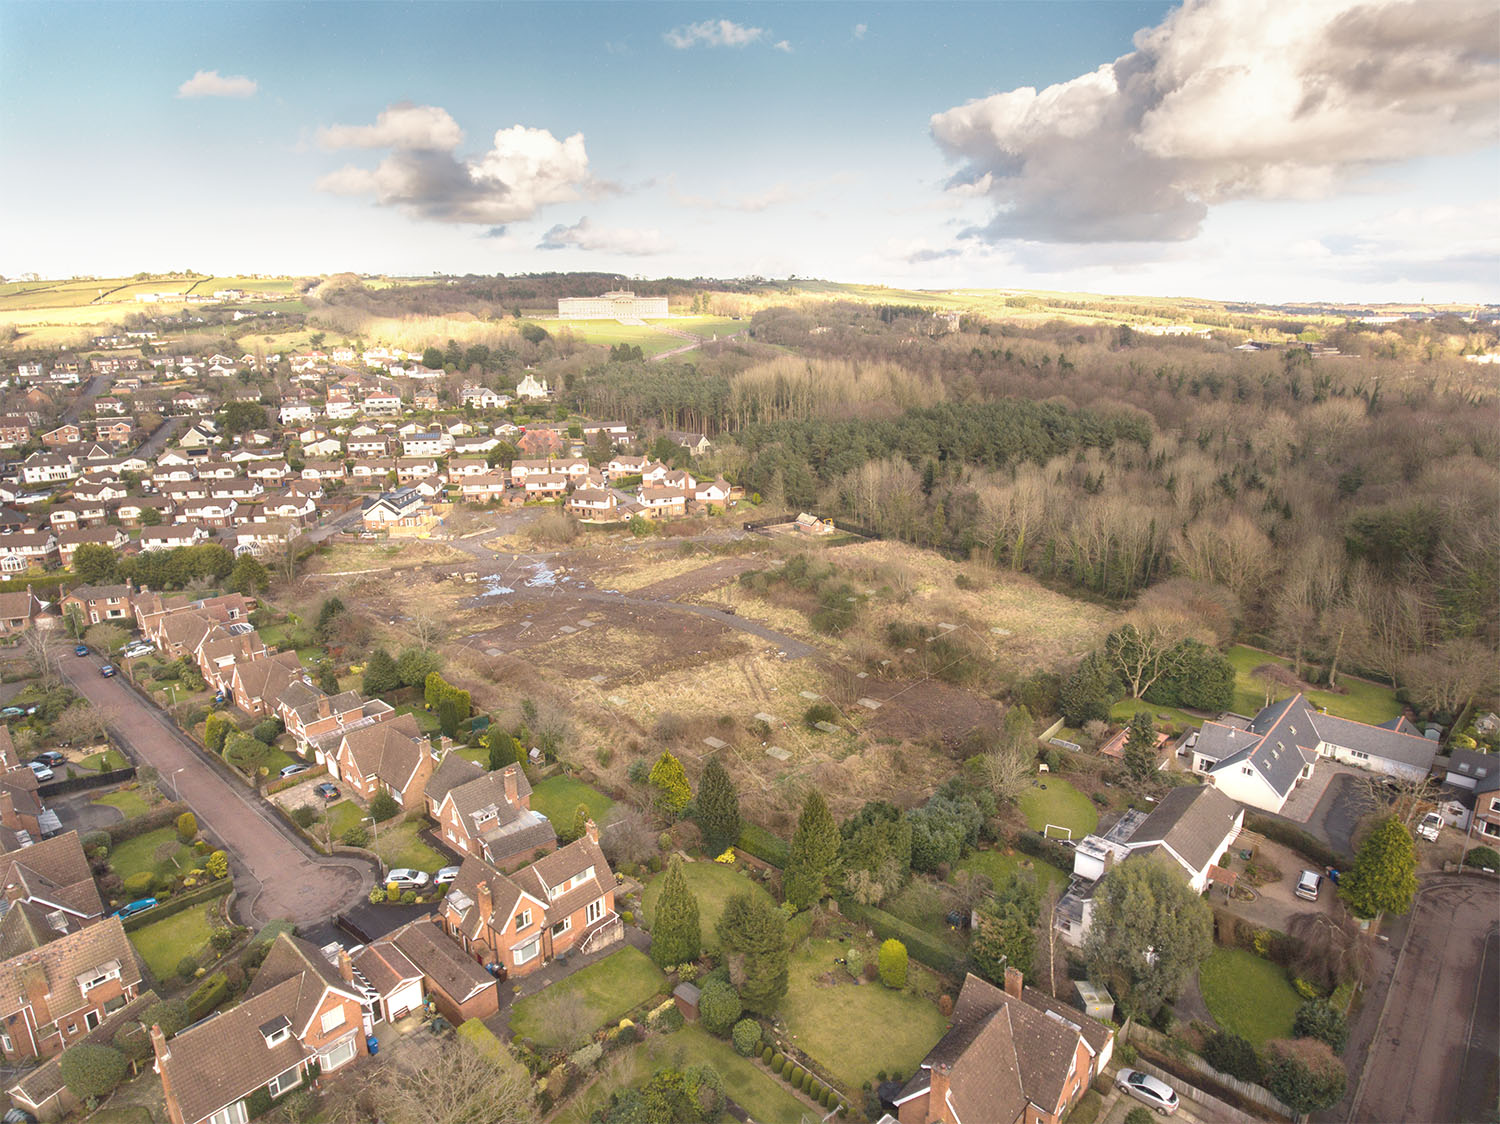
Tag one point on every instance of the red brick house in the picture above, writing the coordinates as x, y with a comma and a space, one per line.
257, 684
300, 1009
522, 921
391, 755
49, 890
320, 724
98, 603
52, 995
1012, 1056
491, 816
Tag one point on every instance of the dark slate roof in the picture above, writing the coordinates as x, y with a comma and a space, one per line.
1193, 822
1382, 742
1483, 768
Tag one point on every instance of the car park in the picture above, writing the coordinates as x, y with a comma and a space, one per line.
130, 909
293, 770
40, 771
108, 670
81, 650
327, 790
1430, 827
50, 758
1148, 1090
446, 876
1307, 885
405, 878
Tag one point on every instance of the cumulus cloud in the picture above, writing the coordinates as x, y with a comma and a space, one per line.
860, 30
1228, 100
212, 84
584, 235
714, 33
524, 170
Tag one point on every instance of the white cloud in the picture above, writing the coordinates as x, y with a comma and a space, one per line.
1228, 100
524, 170
784, 45
584, 235
403, 125
212, 84
714, 33
860, 30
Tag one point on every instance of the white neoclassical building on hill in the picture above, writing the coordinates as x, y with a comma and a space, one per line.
618, 305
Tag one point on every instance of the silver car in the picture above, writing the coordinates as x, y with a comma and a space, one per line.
1148, 1090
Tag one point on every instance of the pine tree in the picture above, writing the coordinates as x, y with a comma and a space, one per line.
718, 808
1384, 877
380, 673
752, 933
672, 791
675, 936
814, 855
1140, 747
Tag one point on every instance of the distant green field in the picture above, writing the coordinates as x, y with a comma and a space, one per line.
1361, 700
248, 284
607, 333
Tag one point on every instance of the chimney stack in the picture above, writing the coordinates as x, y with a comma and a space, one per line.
486, 901
1013, 981
937, 1097
13, 892
159, 1045
346, 966
512, 791
325, 709
591, 830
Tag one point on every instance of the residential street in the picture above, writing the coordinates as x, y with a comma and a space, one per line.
278, 876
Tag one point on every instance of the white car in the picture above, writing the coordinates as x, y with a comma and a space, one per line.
136, 650
1307, 885
405, 878
40, 771
1148, 1090
1430, 827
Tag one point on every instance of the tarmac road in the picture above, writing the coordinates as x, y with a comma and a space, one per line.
1434, 1053
277, 876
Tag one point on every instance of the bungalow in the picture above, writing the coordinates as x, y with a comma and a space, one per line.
811, 525
1258, 761
95, 604
481, 397
1191, 827
404, 508
520, 922
190, 402
1011, 1056
491, 816
389, 755
300, 1009
469, 446
718, 492
324, 448
418, 959
53, 994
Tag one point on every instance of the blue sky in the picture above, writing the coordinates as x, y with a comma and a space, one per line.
1231, 152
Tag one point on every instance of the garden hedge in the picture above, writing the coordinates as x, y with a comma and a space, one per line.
1290, 835
208, 995
921, 945
767, 847
180, 902
154, 820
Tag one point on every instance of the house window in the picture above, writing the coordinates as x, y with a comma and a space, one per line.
333, 1019
527, 952
284, 1081
337, 1056
91, 1020
523, 922
1495, 804
102, 978
229, 1114
1358, 755
562, 926
1247, 770
595, 911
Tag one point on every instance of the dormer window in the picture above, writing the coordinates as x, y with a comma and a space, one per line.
277, 1031
100, 976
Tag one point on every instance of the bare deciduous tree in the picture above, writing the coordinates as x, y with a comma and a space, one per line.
1051, 957
42, 650
453, 1083
82, 723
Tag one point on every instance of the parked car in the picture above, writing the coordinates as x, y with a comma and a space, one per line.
327, 790
81, 650
130, 909
1148, 1090
446, 876
136, 651
108, 670
1307, 885
40, 771
50, 758
1430, 827
405, 878
293, 770
12, 712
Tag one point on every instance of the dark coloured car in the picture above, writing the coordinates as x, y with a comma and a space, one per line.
108, 670
81, 650
50, 758
327, 790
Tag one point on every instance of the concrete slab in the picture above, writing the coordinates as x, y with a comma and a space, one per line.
777, 752
597, 679
714, 743
813, 695
828, 727
616, 699
762, 716
567, 630
870, 704
946, 627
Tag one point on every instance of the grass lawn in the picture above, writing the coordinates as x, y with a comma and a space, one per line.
344, 815
1362, 700
138, 854
1000, 866
558, 797
926, 905
749, 1086
427, 722
712, 884
1247, 995
855, 1031
400, 845
277, 759
164, 943
608, 988
1059, 803
131, 801
477, 754
104, 760
1126, 709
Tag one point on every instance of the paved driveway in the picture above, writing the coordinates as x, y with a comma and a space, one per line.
1433, 1056
279, 877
